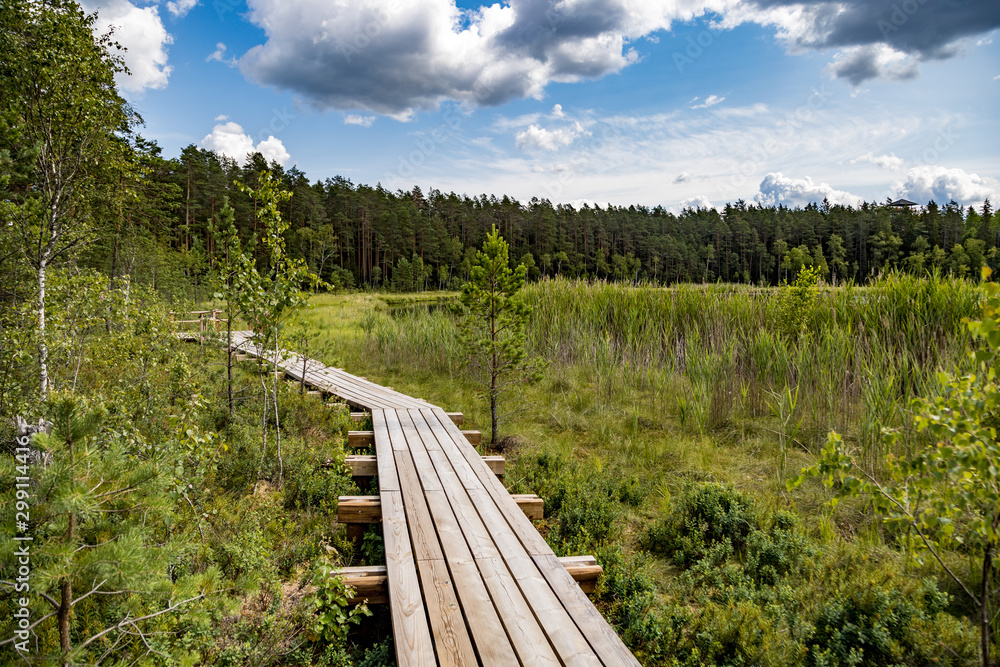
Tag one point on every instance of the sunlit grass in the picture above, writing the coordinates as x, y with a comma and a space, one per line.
681, 382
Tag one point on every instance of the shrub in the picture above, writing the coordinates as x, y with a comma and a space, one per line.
774, 553
334, 611
583, 505
704, 515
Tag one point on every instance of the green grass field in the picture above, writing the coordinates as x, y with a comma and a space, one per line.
667, 412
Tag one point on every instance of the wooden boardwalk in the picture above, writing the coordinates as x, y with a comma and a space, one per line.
470, 580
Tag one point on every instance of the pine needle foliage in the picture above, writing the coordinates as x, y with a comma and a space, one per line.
492, 325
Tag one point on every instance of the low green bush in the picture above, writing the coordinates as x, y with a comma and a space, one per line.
584, 506
705, 514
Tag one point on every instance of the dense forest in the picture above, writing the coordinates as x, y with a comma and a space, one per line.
356, 235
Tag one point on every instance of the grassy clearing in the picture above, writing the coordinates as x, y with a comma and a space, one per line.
655, 393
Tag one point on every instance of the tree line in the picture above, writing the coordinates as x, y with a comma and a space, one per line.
356, 235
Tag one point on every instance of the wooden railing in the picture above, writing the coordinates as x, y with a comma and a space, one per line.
207, 320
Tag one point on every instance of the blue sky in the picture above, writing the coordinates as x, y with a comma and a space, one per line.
674, 103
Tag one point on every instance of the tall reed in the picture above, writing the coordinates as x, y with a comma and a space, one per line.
706, 356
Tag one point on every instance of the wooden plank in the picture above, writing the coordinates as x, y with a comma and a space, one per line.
568, 640
442, 438
484, 623
496, 464
525, 634
359, 509
366, 438
395, 431
371, 583
532, 506
367, 509
491, 641
427, 437
418, 450
533, 542
605, 641
566, 637
362, 465
349, 387
388, 480
422, 534
410, 628
359, 439
522, 626
451, 635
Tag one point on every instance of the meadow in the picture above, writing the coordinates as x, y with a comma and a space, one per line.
661, 437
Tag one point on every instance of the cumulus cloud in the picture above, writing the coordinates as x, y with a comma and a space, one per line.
697, 202
710, 101
537, 138
229, 139
776, 189
220, 55
358, 119
682, 177
877, 38
395, 58
941, 184
888, 162
141, 32
877, 61
180, 8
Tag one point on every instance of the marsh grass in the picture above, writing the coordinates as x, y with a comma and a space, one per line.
632, 364
653, 390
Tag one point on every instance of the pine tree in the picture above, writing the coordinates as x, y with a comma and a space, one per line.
493, 325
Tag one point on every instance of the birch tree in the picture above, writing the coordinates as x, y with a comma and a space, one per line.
65, 133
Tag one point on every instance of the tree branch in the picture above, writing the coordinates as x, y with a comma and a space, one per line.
126, 622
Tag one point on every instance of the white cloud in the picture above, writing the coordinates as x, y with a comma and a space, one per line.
141, 32
741, 112
777, 189
221, 116
682, 177
627, 159
697, 202
858, 64
273, 150
537, 138
395, 58
942, 184
888, 162
180, 8
557, 111
229, 139
220, 55
710, 101
358, 119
